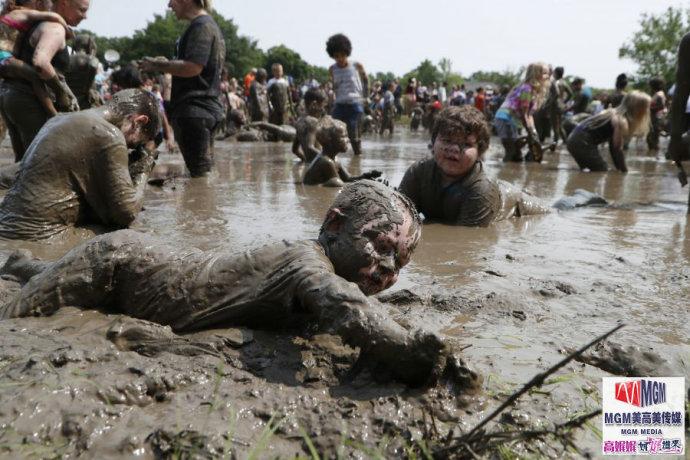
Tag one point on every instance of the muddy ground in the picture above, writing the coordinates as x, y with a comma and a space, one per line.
514, 297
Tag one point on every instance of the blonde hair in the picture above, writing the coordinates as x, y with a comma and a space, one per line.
205, 4
633, 111
533, 76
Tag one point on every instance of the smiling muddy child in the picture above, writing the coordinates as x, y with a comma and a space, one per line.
452, 186
325, 169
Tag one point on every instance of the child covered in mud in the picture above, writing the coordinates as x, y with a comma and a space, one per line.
452, 186
517, 111
369, 234
18, 16
388, 110
615, 126
325, 169
351, 86
305, 146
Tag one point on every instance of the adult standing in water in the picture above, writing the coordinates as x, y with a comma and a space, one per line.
195, 108
677, 149
44, 46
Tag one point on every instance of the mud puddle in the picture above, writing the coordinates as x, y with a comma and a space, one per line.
515, 297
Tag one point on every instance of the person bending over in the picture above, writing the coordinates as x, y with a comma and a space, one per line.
325, 169
615, 126
368, 235
79, 170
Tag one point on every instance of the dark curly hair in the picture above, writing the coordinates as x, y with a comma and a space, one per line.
338, 43
314, 95
463, 119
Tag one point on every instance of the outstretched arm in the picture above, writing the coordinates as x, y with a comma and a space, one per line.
341, 308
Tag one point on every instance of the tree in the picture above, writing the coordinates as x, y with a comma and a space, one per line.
507, 77
159, 36
654, 47
446, 67
426, 73
292, 62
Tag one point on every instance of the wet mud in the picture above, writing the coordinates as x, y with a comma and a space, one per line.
513, 297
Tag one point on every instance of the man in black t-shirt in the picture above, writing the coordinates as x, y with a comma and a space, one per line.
195, 108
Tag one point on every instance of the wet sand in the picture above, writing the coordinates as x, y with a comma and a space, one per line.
518, 294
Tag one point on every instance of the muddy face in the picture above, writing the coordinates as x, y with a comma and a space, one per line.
455, 154
369, 236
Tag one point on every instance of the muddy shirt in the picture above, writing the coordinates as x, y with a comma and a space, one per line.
473, 201
321, 170
202, 43
75, 172
306, 128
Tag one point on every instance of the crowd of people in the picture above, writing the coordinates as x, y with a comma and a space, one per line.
90, 165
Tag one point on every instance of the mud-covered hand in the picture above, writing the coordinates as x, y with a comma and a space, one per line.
417, 360
141, 161
65, 100
371, 174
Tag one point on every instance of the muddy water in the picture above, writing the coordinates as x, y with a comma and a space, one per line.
526, 289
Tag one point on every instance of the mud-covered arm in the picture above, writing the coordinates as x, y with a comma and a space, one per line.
50, 39
477, 210
307, 141
364, 78
341, 308
680, 98
122, 183
616, 146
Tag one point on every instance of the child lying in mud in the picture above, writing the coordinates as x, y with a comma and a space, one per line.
325, 169
452, 186
368, 235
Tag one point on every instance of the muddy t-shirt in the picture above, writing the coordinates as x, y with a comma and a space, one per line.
473, 201
76, 171
202, 43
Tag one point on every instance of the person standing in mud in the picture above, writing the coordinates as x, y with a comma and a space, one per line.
369, 234
44, 46
305, 145
517, 111
582, 96
325, 169
563, 94
619, 93
677, 148
79, 171
615, 126
452, 186
351, 85
81, 75
195, 108
278, 90
258, 97
657, 112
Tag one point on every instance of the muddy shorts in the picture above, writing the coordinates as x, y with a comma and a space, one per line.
194, 135
505, 129
585, 152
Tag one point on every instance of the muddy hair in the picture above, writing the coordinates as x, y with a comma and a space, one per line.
357, 199
329, 129
633, 111
137, 102
338, 43
314, 95
463, 119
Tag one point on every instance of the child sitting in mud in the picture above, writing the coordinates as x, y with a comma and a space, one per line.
368, 235
305, 146
452, 186
19, 16
325, 169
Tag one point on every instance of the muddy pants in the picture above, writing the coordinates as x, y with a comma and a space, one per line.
24, 116
585, 152
195, 138
124, 271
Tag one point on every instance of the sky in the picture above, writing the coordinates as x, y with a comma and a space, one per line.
396, 35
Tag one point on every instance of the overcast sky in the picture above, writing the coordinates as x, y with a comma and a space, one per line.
582, 35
